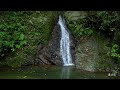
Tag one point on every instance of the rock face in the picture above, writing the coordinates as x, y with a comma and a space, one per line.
93, 54
50, 54
75, 15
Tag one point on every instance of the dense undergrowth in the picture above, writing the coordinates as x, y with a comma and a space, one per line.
22, 32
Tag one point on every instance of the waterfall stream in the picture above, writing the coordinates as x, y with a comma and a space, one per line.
65, 43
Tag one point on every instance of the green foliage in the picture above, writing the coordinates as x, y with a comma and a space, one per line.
114, 51
21, 57
12, 35
104, 21
23, 29
101, 21
40, 27
109, 19
18, 59
79, 30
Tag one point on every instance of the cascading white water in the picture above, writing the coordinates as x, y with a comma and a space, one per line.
65, 43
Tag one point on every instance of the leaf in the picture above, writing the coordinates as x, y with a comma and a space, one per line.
21, 36
11, 44
17, 46
114, 54
2, 33
115, 46
23, 42
113, 50
7, 43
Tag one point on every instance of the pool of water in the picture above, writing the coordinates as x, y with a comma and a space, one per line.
50, 72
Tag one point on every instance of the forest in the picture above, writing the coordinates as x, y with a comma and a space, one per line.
25, 38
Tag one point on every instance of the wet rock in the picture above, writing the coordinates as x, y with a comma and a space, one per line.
50, 54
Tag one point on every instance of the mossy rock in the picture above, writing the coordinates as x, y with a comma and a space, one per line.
75, 15
21, 57
93, 54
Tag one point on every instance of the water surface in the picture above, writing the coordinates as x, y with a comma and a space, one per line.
50, 72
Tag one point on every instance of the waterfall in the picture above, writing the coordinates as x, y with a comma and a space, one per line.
65, 43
